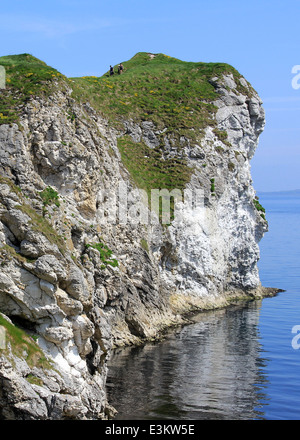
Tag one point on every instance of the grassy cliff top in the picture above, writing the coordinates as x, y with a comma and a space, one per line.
26, 76
154, 87
157, 87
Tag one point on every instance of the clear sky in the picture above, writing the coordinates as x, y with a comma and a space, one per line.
260, 38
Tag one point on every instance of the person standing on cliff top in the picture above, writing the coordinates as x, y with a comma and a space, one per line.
111, 70
120, 70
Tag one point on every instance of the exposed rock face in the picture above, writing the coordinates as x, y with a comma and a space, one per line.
217, 249
54, 279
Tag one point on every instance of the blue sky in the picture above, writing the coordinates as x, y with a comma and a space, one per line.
259, 38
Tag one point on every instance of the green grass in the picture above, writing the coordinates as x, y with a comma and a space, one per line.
26, 76
259, 208
222, 136
49, 197
22, 343
144, 244
105, 254
165, 90
14, 188
34, 380
8, 252
150, 170
40, 224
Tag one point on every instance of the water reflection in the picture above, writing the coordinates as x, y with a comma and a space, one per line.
211, 369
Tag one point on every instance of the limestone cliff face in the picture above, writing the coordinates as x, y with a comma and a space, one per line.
80, 284
217, 250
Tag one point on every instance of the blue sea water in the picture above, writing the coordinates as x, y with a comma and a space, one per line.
280, 266
234, 363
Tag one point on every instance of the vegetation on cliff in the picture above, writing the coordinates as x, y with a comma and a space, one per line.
23, 345
165, 90
170, 92
176, 96
26, 77
149, 169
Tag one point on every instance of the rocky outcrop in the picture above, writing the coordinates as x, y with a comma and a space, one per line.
78, 280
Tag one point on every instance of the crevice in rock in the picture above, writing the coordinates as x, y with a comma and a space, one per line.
23, 323
49, 405
76, 236
90, 358
11, 239
16, 177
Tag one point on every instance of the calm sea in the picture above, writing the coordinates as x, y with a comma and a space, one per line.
242, 362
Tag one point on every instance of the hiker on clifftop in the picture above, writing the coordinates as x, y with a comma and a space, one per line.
111, 70
120, 69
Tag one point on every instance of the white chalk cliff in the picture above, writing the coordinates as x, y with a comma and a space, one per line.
54, 282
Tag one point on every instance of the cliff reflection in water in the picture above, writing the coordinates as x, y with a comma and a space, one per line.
208, 370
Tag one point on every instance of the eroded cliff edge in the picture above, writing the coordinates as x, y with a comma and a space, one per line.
73, 283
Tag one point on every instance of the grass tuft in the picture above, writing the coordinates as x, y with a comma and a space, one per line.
150, 170
105, 254
24, 346
40, 224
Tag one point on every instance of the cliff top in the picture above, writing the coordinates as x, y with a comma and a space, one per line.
177, 96
152, 87
26, 77
157, 87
